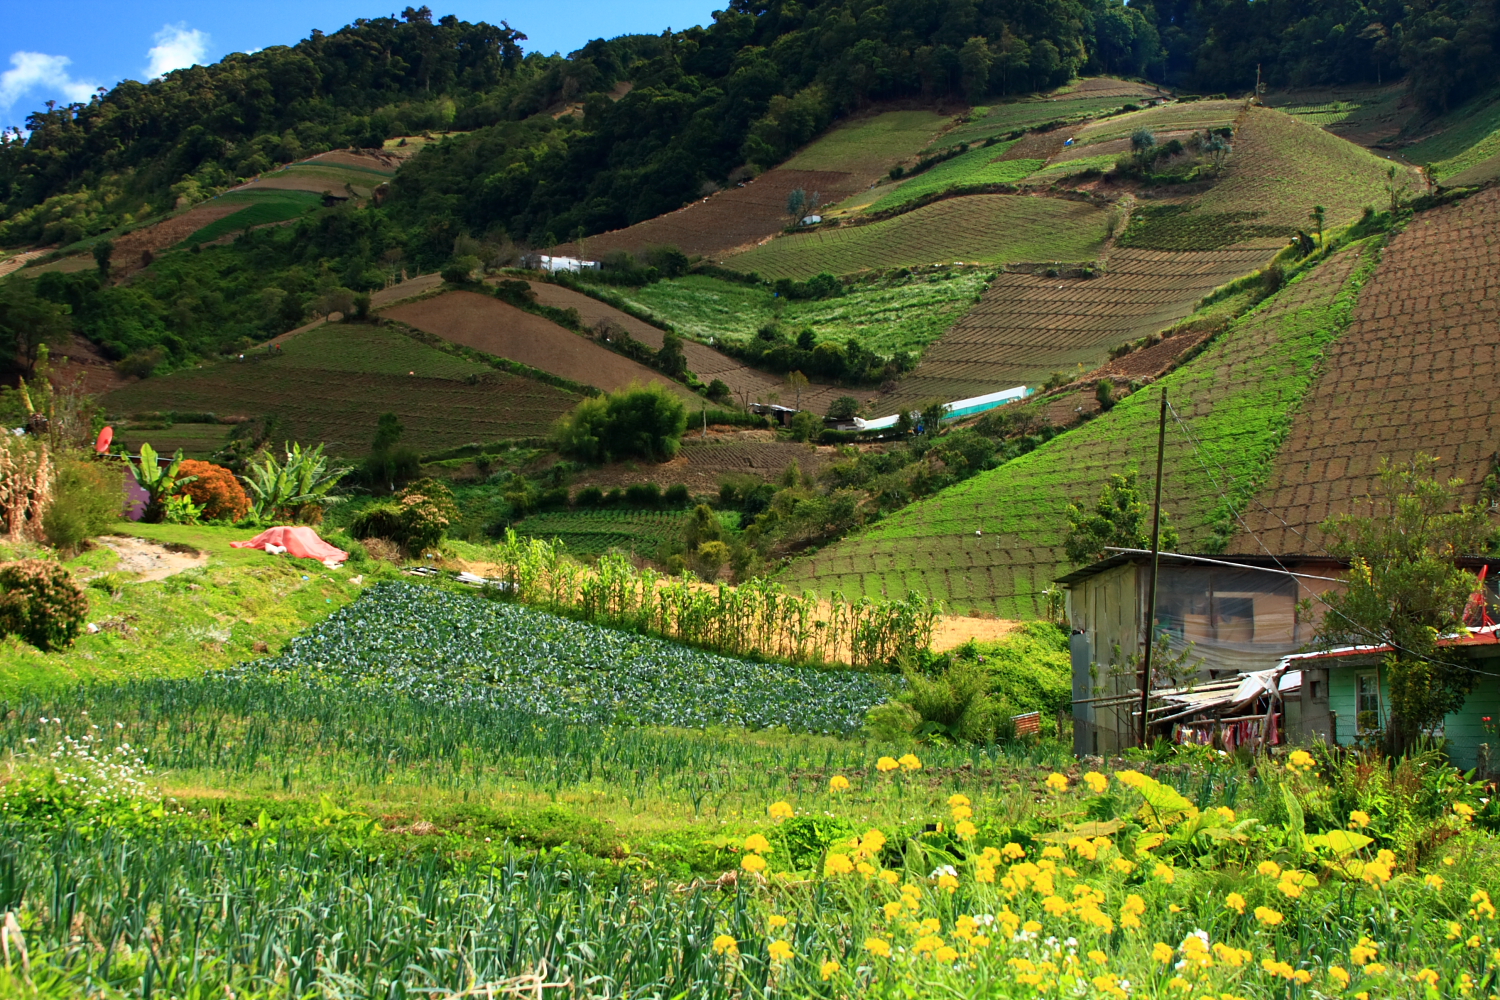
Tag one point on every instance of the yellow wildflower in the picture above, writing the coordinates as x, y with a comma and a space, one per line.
1299, 760
1339, 975
753, 863
965, 829
1097, 782
926, 943
1053, 851
724, 944
878, 947
780, 811
866, 869
1428, 977
1359, 819
1302, 976
1162, 952
1123, 865
1464, 810
1230, 955
962, 812
947, 953
838, 783
1433, 881
909, 762
1375, 969
758, 844
1012, 852
893, 909
1363, 952
838, 864
948, 882
959, 799
1225, 812
1268, 916
1057, 782
1131, 779
1270, 868
1098, 957
1276, 968
889, 877
1234, 901
780, 951
830, 969
1165, 873
886, 764
1376, 871
776, 920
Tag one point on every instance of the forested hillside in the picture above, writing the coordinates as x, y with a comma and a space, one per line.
704, 103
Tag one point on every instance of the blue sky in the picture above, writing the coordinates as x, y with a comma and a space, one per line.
62, 50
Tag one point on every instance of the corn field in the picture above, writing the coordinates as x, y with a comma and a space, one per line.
25, 488
758, 618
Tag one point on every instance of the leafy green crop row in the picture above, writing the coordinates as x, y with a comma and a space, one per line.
977, 166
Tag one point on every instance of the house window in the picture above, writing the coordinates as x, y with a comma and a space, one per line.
1316, 690
1367, 701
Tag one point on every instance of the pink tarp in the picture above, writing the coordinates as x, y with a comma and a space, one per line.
303, 543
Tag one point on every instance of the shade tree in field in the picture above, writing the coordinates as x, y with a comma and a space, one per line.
1119, 518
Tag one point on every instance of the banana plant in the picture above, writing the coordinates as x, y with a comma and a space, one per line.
158, 481
300, 486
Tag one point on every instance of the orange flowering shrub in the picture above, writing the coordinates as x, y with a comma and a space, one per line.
216, 489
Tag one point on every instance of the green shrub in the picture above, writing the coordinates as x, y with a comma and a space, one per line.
554, 499
677, 495
88, 497
643, 495
416, 519
41, 602
636, 422
590, 496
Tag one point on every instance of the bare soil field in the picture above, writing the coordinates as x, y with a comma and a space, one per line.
1027, 326
702, 464
748, 384
129, 251
82, 359
1040, 145
408, 289
500, 329
1415, 372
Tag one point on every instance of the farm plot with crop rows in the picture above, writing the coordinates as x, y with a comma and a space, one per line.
331, 383
500, 329
885, 316
977, 166
1414, 373
258, 208
1193, 116
1028, 326
987, 228
844, 161
1237, 398
404, 639
594, 532
1279, 169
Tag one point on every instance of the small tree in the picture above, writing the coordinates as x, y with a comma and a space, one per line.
1120, 518
637, 422
670, 358
844, 408
797, 381
1316, 217
1404, 590
1142, 145
796, 203
1104, 392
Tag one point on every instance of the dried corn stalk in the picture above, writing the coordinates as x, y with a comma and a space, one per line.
25, 488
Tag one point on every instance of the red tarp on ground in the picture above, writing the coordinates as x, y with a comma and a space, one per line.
303, 543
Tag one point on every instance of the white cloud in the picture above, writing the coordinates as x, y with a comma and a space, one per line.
177, 47
35, 70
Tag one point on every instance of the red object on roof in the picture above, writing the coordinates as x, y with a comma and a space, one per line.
105, 437
301, 542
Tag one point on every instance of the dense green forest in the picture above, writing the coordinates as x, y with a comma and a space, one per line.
708, 101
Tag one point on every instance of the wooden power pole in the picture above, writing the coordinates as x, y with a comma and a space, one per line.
1161, 444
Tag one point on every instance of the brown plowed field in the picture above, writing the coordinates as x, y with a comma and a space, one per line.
82, 358
500, 329
702, 464
747, 384
1028, 326
126, 258
731, 218
1415, 372
1039, 145
408, 289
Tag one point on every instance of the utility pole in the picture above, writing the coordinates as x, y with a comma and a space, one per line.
1161, 445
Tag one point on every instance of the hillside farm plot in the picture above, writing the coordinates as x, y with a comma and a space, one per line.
886, 316
986, 228
500, 329
1366, 116
1279, 169
702, 463
1192, 116
257, 208
846, 160
977, 166
746, 383
1238, 397
1414, 373
595, 532
1085, 99
196, 440
342, 173
1461, 139
331, 384
452, 649
1028, 326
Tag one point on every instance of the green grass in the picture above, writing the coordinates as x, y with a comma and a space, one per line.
261, 208
870, 144
1003, 119
1237, 398
594, 532
199, 620
886, 316
331, 383
196, 440
1066, 168
1166, 118
1463, 137
977, 166
989, 229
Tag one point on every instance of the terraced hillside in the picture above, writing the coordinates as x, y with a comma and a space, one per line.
1415, 372
846, 160
500, 329
984, 228
331, 384
1086, 98
993, 543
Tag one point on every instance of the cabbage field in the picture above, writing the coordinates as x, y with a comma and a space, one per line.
405, 639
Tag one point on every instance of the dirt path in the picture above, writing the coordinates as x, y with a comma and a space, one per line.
152, 560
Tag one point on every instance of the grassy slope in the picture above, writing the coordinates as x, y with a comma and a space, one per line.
869, 143
978, 228
181, 626
1237, 399
593, 532
261, 207
1166, 118
1004, 118
977, 166
1466, 135
904, 314
331, 383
